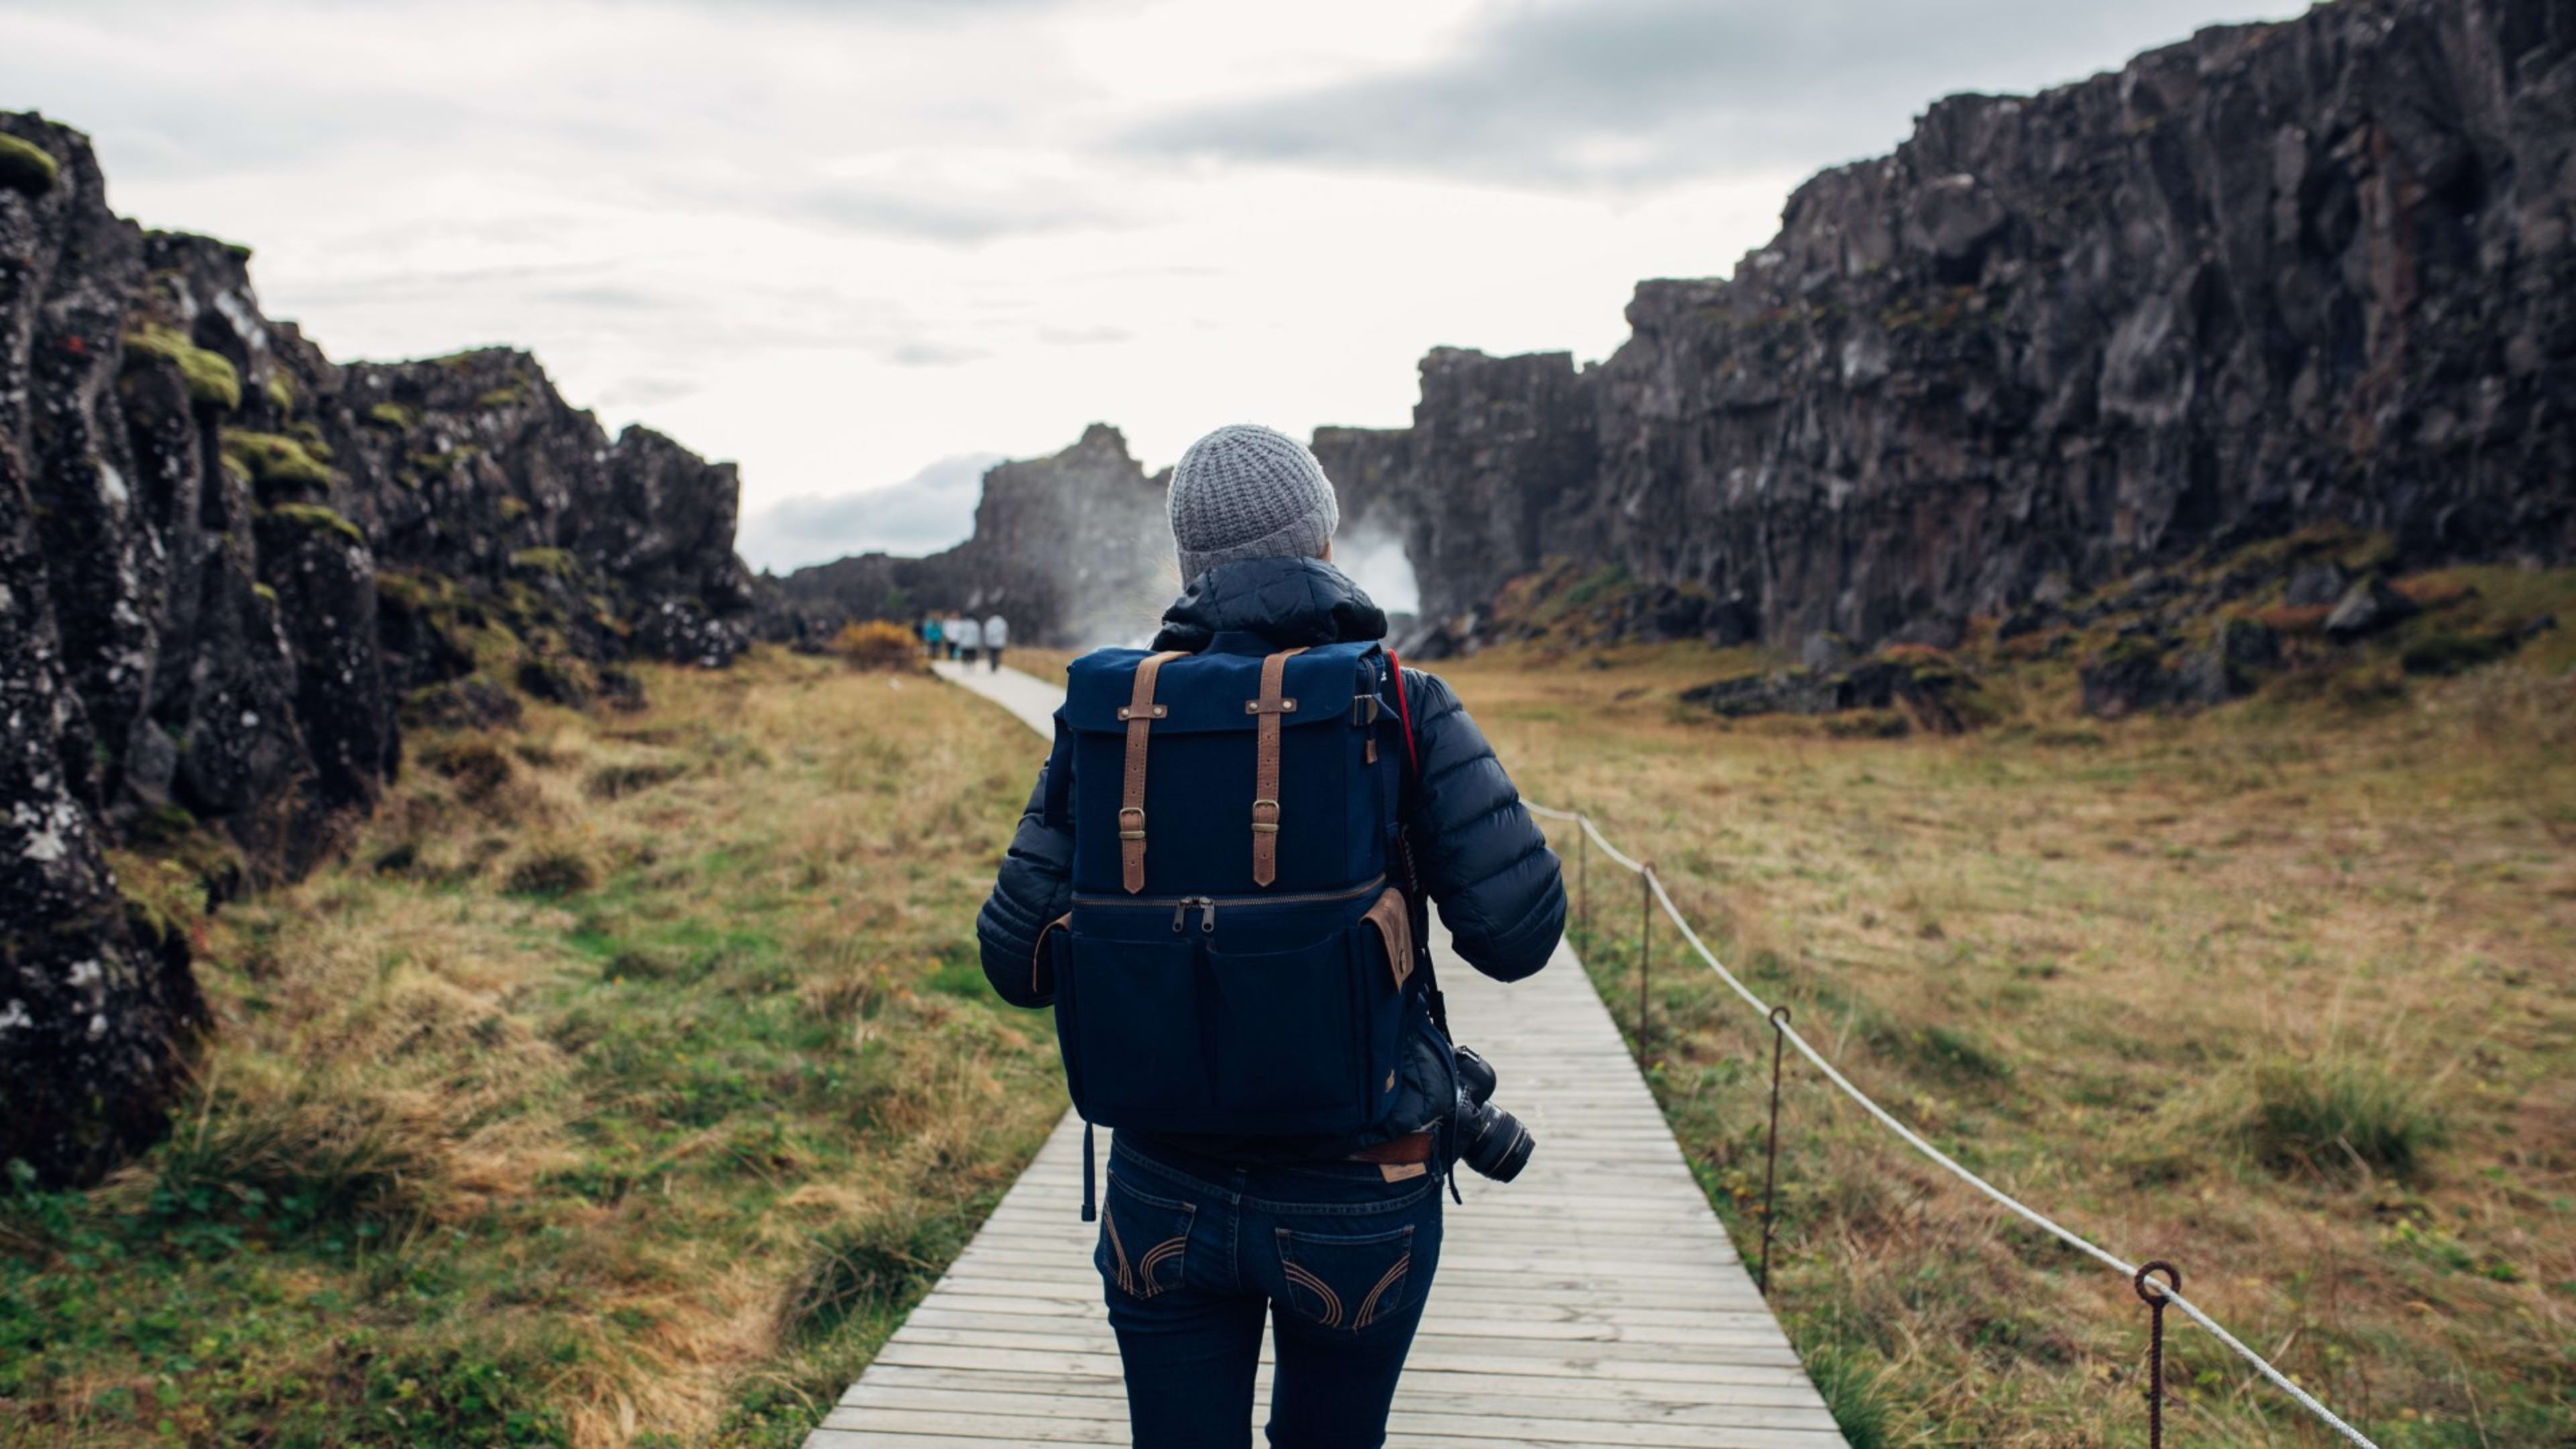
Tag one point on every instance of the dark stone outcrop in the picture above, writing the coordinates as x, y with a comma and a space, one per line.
228, 566
2315, 272
2366, 608
1072, 549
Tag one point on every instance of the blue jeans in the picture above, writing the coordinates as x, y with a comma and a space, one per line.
1194, 1256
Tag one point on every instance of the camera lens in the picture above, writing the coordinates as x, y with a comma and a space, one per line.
1493, 1141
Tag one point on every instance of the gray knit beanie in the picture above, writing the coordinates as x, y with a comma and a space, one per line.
1249, 492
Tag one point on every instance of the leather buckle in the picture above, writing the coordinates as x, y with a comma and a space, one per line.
1265, 816
1131, 832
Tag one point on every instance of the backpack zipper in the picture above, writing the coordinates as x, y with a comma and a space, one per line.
1181, 906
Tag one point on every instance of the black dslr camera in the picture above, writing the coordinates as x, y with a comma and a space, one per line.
1490, 1140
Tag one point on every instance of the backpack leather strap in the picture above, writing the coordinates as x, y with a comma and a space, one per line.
1140, 714
1270, 707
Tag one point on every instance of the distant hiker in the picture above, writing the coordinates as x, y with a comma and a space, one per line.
951, 632
969, 636
930, 634
1233, 942
996, 634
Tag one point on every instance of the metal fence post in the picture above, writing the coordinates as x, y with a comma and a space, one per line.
1771, 1150
1582, 881
2155, 1299
1645, 949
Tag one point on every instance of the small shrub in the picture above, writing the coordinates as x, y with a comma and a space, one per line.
554, 871
610, 782
2444, 652
1854, 1395
478, 767
27, 168
1868, 724
306, 1162
1938, 1051
2339, 1120
879, 1261
876, 644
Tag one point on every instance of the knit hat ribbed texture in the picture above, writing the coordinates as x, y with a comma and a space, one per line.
1249, 492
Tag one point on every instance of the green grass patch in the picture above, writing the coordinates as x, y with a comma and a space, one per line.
2342, 1119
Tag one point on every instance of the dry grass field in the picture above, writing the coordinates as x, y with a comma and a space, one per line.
2284, 992
633, 1072
620, 1088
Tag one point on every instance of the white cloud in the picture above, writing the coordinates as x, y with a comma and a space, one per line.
926, 512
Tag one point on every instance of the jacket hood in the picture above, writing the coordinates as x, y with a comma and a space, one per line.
1285, 602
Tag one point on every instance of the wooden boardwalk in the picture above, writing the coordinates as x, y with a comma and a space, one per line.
1595, 1301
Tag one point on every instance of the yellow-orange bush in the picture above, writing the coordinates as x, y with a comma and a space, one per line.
876, 644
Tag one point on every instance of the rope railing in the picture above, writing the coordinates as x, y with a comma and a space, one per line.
2156, 1294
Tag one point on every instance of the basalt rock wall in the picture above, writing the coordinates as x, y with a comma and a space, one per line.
1071, 549
2278, 275
229, 568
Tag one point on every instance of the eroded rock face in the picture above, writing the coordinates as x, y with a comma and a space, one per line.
2277, 275
1072, 549
226, 563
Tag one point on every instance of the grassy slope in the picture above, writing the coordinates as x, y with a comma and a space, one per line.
2285, 993
621, 1090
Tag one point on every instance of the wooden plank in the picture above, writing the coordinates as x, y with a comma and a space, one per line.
1597, 1301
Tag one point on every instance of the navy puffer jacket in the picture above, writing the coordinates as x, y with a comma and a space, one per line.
1483, 861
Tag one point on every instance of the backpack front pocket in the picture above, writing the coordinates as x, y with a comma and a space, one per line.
1130, 1013
1293, 1044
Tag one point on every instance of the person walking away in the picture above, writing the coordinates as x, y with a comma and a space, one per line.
997, 633
1267, 1042
930, 635
970, 637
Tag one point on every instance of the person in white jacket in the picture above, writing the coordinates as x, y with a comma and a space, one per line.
970, 637
996, 634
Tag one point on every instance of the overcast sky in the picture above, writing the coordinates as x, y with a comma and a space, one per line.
870, 245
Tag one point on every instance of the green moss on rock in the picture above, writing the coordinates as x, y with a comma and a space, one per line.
503, 397
271, 458
394, 415
210, 376
318, 518
27, 168
558, 562
514, 509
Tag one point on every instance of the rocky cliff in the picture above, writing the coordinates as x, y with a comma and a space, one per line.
2311, 273
229, 568
1071, 549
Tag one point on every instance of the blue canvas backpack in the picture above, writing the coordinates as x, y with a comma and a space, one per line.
1237, 959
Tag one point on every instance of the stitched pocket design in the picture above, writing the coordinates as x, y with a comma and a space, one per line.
1346, 1282
1144, 1240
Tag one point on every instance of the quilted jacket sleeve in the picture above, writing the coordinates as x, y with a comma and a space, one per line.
1036, 882
1483, 860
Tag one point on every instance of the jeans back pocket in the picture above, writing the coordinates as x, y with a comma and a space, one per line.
1144, 1240
1351, 1282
